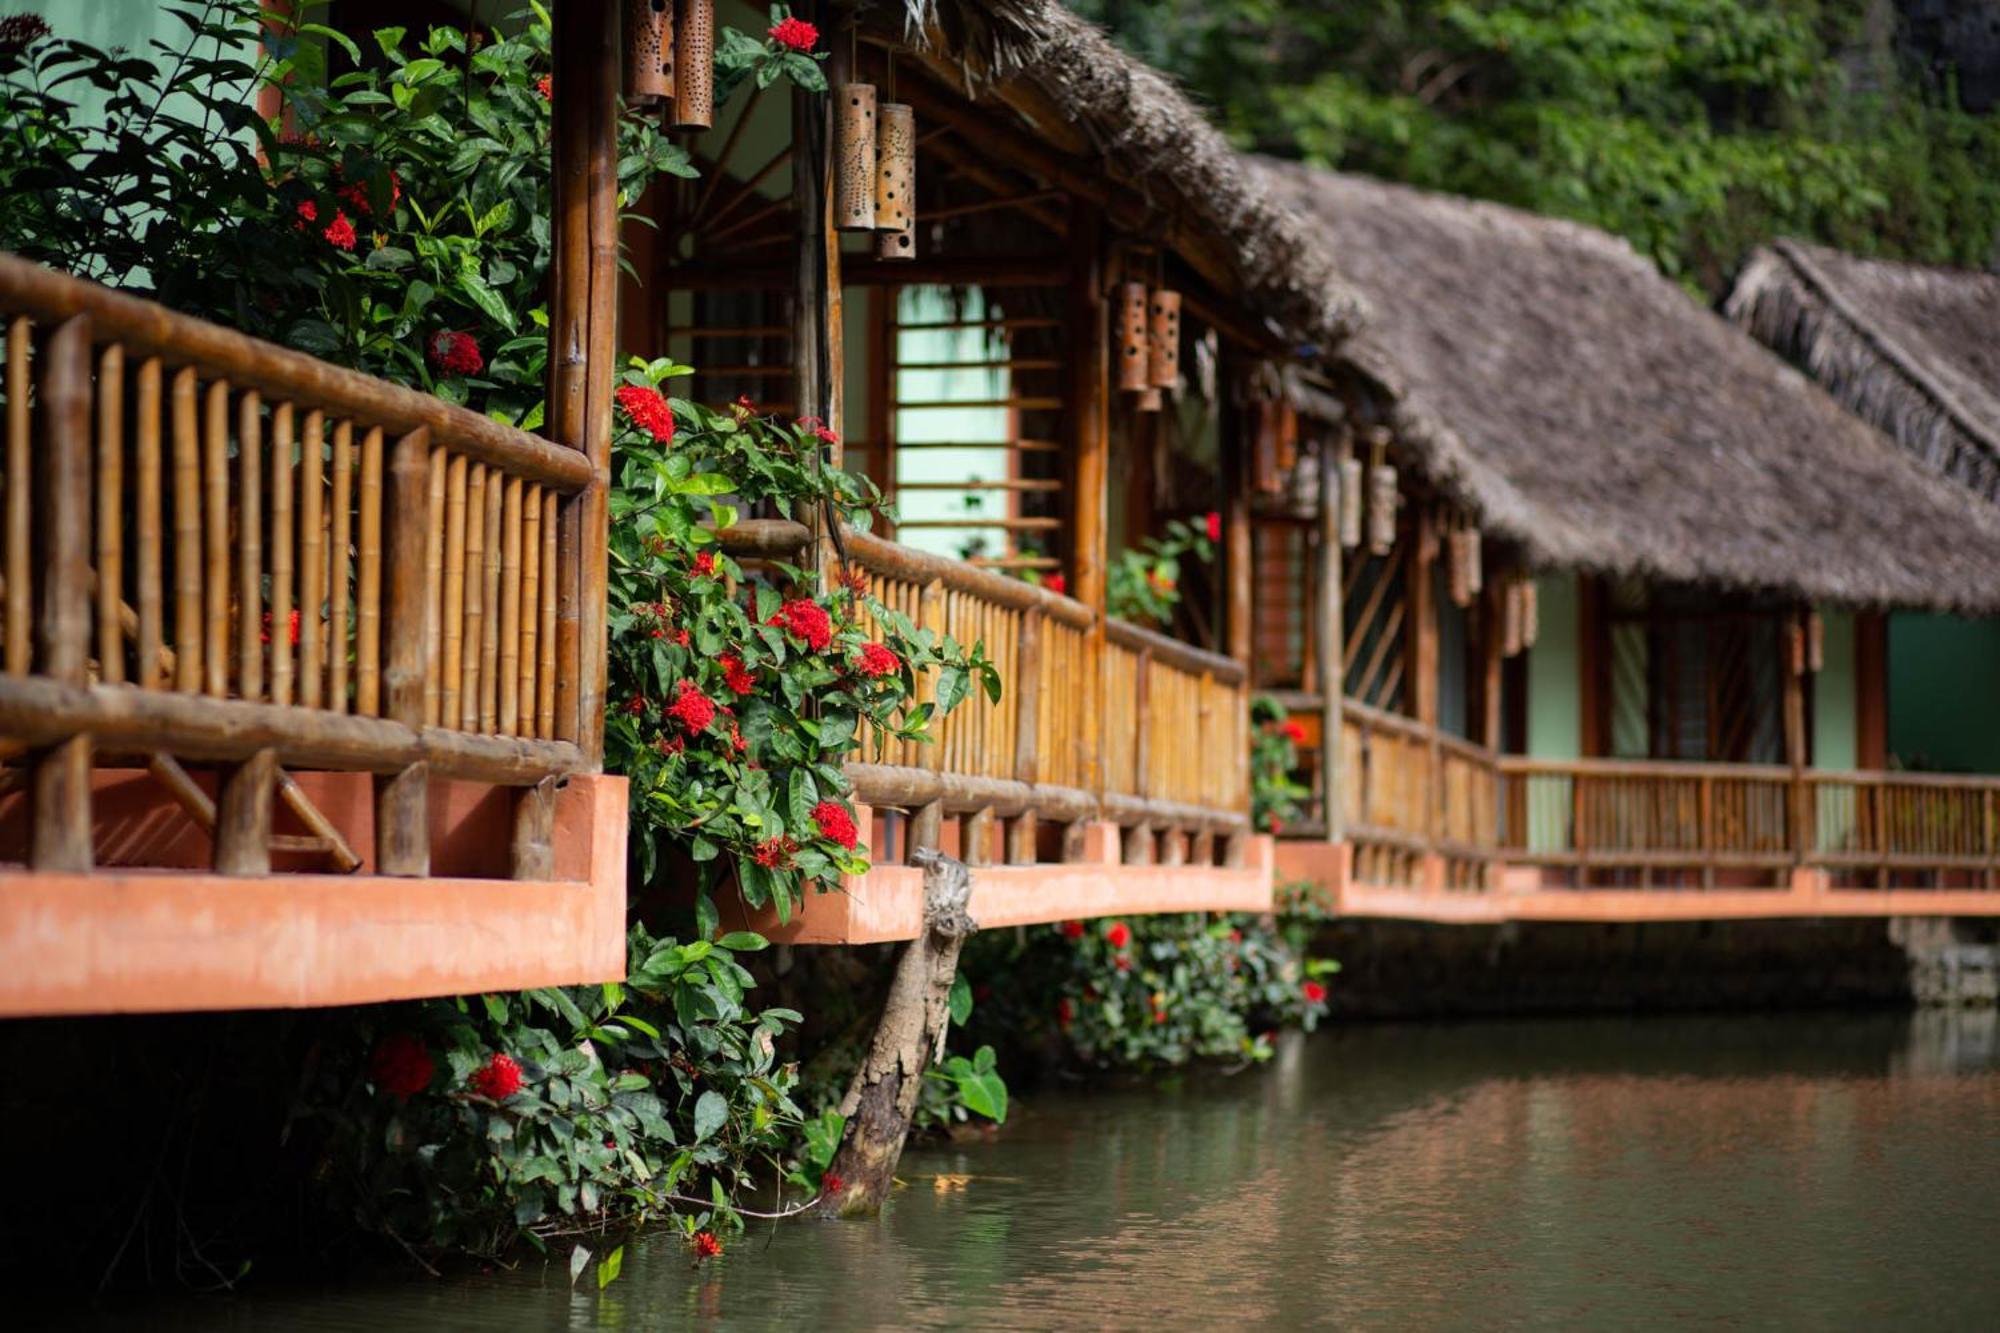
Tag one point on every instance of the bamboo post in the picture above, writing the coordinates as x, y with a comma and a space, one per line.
1330, 628
110, 512
283, 646
368, 582
243, 817
312, 563
249, 546
1089, 425
1795, 732
434, 518
402, 799
149, 630
339, 597
452, 663
20, 499
188, 642
531, 604
508, 664
60, 799
215, 539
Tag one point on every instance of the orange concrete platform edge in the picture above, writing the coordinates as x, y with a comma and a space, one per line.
1328, 867
139, 941
886, 904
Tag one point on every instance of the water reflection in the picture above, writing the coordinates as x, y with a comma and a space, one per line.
1800, 1171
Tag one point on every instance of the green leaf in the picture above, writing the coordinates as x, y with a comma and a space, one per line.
743, 941
711, 1110
613, 1265
960, 1002
488, 300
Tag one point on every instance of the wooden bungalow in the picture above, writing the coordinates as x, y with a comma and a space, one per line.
1604, 609
198, 819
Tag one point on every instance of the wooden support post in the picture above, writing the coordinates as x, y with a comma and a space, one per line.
926, 829
1236, 553
534, 855
975, 836
60, 796
1139, 845
1089, 395
1871, 690
402, 800
1202, 853
1022, 831
1795, 733
1142, 723
243, 817
1330, 626
1422, 628
1173, 846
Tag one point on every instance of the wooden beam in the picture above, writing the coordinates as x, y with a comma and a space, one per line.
1871, 690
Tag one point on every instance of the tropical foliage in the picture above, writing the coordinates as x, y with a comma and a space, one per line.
1143, 584
1277, 798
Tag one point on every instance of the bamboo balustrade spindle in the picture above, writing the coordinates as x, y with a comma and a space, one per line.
509, 664
284, 634
649, 51
20, 500
250, 629
854, 158
545, 665
110, 513
59, 839
1134, 356
368, 581
312, 561
895, 181
531, 612
475, 606
451, 662
337, 643
215, 539
694, 64
150, 565
440, 464
188, 643
402, 799
489, 601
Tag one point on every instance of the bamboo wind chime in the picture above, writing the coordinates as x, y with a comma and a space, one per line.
875, 168
1149, 343
670, 60
1350, 494
1382, 497
1520, 615
1467, 576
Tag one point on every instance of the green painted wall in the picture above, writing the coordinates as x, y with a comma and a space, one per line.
1555, 714
1944, 693
1834, 744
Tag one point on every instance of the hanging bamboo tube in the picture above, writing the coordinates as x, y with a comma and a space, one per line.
187, 533
694, 64
489, 599
368, 581
1815, 642
215, 538
284, 632
338, 580
20, 500
854, 158
312, 558
1382, 498
1462, 542
649, 51
531, 592
1510, 618
475, 607
1133, 355
149, 631
110, 513
510, 611
895, 181
1350, 497
434, 589
1531, 613
1163, 339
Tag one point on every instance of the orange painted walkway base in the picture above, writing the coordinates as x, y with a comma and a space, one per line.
888, 902
122, 941
1522, 895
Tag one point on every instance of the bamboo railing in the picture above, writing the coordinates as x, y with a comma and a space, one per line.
221, 550
1409, 791
1095, 720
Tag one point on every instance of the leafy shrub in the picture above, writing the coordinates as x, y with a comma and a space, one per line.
1143, 584
1277, 799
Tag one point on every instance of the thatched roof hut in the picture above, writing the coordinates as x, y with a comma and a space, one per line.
1914, 350
1585, 408
1123, 126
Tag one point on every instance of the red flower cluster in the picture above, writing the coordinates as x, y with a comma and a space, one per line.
703, 566
808, 620
775, 853
356, 194
455, 353
820, 429
706, 1246
648, 410
546, 86
795, 35
265, 633
692, 708
831, 1184
498, 1079
339, 233
1214, 526
1118, 934
1072, 930
1065, 1011
401, 1066
1056, 584
835, 823
853, 578
1292, 731
1314, 992
636, 705
739, 678
877, 661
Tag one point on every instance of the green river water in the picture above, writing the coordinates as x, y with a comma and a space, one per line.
1820, 1171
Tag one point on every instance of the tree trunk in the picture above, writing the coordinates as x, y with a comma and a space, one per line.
883, 1096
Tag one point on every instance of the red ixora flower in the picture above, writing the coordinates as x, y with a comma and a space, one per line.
546, 86
499, 1078
356, 194
339, 233
739, 678
1292, 731
807, 619
636, 705
706, 1246
775, 853
1214, 526
455, 353
1314, 992
835, 823
1118, 934
819, 428
308, 212
18, 30
401, 1066
648, 410
1072, 930
703, 566
692, 709
1056, 583
831, 1183
877, 661
795, 35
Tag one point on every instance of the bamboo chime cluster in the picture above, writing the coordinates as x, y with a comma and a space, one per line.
875, 169
1520, 615
1149, 343
670, 60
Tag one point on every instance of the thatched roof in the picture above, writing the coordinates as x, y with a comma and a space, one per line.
1587, 409
1061, 78
1914, 350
